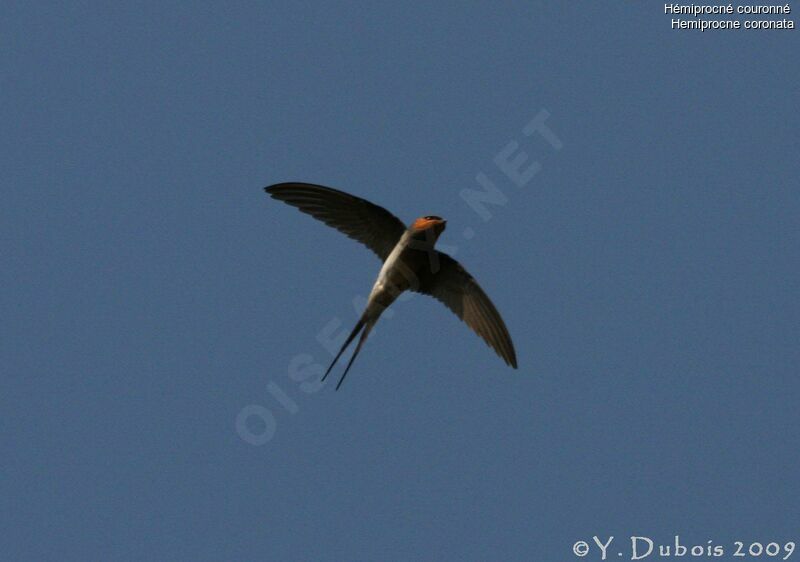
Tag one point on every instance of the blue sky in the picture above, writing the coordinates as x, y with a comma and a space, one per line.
151, 291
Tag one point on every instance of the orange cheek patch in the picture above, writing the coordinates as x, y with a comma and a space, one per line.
421, 224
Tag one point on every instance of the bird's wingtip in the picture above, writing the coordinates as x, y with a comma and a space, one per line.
512, 361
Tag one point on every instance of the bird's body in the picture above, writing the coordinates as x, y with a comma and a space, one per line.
410, 262
390, 276
405, 264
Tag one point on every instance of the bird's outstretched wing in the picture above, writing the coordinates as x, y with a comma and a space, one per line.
451, 284
375, 227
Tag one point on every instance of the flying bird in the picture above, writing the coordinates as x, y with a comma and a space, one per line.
410, 262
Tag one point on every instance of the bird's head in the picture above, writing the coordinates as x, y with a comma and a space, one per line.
429, 226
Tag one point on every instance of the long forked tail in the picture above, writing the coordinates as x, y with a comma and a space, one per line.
361, 340
349, 339
362, 324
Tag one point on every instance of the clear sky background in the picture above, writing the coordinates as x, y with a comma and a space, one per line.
151, 291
